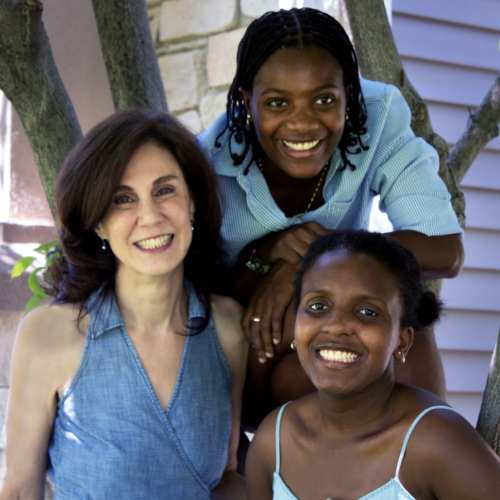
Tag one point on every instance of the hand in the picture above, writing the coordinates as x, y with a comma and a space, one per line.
291, 244
269, 301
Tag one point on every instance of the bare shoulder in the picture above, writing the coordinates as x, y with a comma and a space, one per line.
227, 314
51, 326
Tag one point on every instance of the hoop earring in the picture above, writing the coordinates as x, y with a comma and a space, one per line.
104, 246
249, 119
293, 345
402, 357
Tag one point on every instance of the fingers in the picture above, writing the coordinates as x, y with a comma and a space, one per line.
251, 327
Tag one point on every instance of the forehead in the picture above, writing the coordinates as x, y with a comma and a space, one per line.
342, 272
311, 62
150, 162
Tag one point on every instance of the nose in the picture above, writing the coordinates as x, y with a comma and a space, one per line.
302, 118
149, 214
338, 322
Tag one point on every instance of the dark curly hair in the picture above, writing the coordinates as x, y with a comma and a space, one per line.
84, 192
293, 28
420, 307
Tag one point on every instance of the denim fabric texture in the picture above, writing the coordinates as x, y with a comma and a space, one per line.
392, 490
398, 166
111, 438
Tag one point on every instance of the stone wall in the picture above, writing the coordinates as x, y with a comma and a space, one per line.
196, 42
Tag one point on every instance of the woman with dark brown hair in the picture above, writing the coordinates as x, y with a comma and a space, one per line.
129, 385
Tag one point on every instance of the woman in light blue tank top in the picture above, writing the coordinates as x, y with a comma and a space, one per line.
362, 436
129, 386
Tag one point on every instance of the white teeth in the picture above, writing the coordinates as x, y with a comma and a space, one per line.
151, 243
343, 356
301, 146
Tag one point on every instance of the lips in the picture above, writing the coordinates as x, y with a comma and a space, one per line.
156, 242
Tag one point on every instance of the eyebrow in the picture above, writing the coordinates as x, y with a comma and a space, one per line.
160, 180
281, 91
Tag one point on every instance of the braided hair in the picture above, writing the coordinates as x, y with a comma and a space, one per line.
420, 308
295, 28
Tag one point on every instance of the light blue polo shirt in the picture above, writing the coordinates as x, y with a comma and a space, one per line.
398, 166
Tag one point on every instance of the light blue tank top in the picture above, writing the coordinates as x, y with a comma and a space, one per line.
111, 438
392, 490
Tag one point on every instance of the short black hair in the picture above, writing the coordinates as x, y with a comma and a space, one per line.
421, 308
294, 28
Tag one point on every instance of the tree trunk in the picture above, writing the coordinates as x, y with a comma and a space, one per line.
488, 423
129, 54
30, 80
379, 60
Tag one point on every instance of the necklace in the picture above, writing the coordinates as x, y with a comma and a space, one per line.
323, 172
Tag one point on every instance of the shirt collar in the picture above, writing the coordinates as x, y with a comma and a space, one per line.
105, 314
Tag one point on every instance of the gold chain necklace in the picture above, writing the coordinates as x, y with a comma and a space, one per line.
323, 172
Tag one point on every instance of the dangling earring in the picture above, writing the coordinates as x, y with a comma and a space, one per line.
249, 119
347, 114
293, 345
192, 224
104, 246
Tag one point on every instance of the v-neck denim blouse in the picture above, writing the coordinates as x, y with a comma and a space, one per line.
111, 437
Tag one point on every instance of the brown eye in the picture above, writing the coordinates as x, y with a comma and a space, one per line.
318, 306
368, 312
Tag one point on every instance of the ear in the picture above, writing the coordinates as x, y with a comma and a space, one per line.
246, 96
101, 232
192, 209
405, 340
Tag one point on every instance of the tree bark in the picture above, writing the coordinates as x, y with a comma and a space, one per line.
30, 80
481, 128
379, 60
488, 424
129, 54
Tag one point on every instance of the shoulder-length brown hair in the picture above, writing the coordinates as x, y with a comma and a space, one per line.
84, 192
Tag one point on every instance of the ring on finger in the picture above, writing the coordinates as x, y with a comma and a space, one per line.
254, 318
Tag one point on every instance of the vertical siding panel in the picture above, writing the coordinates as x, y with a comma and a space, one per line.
450, 52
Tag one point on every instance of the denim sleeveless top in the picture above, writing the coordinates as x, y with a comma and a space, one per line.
112, 439
392, 490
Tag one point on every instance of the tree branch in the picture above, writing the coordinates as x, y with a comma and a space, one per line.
481, 128
129, 54
379, 60
488, 424
30, 80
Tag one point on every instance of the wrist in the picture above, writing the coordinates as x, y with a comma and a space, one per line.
256, 264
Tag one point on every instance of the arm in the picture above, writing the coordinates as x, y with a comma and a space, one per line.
439, 256
36, 378
227, 320
261, 460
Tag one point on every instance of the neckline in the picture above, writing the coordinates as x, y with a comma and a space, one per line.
367, 496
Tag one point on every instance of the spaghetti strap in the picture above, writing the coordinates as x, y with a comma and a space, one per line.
277, 438
410, 430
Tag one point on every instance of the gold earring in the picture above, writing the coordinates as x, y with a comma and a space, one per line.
249, 119
293, 345
347, 114
402, 356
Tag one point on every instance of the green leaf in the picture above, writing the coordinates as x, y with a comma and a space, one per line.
47, 246
21, 266
35, 285
32, 303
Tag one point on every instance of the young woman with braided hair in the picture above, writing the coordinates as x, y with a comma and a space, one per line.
304, 147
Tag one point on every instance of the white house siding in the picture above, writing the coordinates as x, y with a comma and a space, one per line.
450, 50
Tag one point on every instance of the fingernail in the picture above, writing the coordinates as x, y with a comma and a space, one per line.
262, 360
276, 341
269, 354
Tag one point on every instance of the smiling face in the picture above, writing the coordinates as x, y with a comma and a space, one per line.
148, 224
298, 106
348, 322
